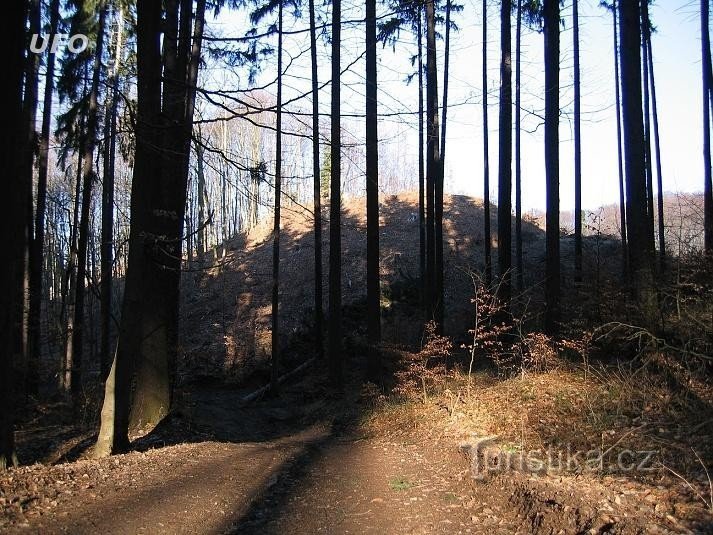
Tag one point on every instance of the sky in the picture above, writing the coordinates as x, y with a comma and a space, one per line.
676, 51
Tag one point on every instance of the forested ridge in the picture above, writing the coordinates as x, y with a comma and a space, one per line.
238, 301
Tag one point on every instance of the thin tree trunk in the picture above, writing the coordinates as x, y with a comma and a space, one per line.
83, 231
37, 243
373, 292
487, 238
647, 124
30, 133
275, 362
518, 163
432, 160
622, 198
577, 149
107, 258
505, 157
71, 275
440, 303
552, 230
335, 209
659, 174
317, 197
707, 76
421, 170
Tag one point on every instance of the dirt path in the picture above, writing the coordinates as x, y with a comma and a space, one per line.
297, 464
372, 486
310, 482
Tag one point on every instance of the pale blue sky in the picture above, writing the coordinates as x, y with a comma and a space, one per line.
676, 48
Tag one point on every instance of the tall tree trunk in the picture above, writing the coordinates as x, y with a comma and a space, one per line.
518, 163
317, 197
421, 170
149, 326
505, 156
487, 237
622, 197
639, 245
107, 240
71, 274
551, 17
647, 124
659, 174
31, 98
373, 292
37, 243
440, 303
83, 231
707, 76
577, 149
275, 361
154, 380
335, 208
12, 224
432, 161
202, 201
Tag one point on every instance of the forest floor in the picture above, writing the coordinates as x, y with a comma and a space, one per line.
312, 461
407, 458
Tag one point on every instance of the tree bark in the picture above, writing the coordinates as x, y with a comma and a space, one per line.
37, 243
335, 209
707, 181
317, 197
518, 166
577, 148
487, 233
505, 157
83, 231
622, 197
647, 124
432, 162
421, 171
552, 227
275, 361
373, 292
441, 178
639, 244
659, 173
12, 222
107, 240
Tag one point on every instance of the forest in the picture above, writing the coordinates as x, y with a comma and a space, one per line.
248, 290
